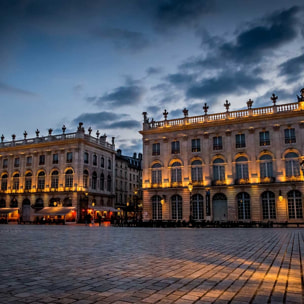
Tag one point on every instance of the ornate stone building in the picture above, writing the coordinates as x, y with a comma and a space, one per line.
68, 170
238, 166
128, 181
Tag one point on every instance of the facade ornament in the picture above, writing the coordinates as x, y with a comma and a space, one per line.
2, 138
227, 105
205, 107
63, 129
185, 111
80, 127
301, 98
165, 114
50, 131
90, 130
249, 103
25, 134
97, 133
37, 133
274, 99
13, 137
145, 117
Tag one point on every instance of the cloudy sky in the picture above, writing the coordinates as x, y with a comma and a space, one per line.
104, 62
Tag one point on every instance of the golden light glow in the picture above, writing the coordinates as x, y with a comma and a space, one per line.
280, 196
190, 187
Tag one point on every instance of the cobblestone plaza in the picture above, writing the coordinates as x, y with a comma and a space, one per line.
91, 264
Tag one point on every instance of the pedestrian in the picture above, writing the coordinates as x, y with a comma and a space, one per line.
99, 219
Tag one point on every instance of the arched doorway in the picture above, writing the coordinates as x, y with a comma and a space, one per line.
26, 210
220, 207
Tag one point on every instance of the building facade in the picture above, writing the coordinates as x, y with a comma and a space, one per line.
234, 166
65, 170
128, 182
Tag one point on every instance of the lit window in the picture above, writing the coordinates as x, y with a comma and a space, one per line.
41, 180
217, 143
264, 138
156, 174
175, 148
266, 166
54, 179
196, 171
292, 165
218, 170
176, 172
156, 149
69, 178
196, 145
242, 168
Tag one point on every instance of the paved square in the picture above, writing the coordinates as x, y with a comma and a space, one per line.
91, 264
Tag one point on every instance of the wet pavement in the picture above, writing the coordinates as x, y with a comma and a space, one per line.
90, 264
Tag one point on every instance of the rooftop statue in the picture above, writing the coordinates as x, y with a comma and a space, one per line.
301, 98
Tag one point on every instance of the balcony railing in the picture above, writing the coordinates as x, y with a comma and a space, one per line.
240, 114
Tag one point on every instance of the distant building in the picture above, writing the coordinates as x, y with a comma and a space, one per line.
73, 171
237, 166
128, 173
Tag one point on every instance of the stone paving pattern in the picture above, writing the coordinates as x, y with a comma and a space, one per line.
121, 265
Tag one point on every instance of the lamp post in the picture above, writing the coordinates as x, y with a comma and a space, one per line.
190, 188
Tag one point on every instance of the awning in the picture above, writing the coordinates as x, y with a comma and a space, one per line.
104, 208
55, 211
8, 210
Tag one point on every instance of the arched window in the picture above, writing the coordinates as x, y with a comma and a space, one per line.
177, 207
54, 179
67, 202
4, 182
54, 202
295, 209
39, 203
268, 205
102, 181
176, 172
16, 181
85, 178
94, 180
2, 203
28, 181
292, 165
218, 170
243, 201
41, 180
156, 208
156, 174
242, 168
109, 183
196, 171
69, 178
197, 207
14, 203
266, 166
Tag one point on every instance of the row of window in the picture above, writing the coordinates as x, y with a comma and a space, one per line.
292, 169
86, 159
295, 209
67, 202
68, 180
240, 142
55, 160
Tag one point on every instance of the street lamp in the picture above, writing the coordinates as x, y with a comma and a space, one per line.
190, 188
302, 166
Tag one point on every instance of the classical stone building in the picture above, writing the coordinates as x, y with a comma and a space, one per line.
238, 166
128, 181
57, 173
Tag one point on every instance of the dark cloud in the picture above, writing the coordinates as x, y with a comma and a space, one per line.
180, 79
124, 39
100, 119
153, 110
7, 89
154, 70
225, 83
172, 13
256, 41
293, 68
124, 124
129, 147
121, 96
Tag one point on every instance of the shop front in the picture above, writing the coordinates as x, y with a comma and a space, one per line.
56, 215
9, 215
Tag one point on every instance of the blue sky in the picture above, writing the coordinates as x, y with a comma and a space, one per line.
106, 62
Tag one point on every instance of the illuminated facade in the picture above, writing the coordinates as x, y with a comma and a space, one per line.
65, 170
234, 166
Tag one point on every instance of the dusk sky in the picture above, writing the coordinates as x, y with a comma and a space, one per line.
104, 62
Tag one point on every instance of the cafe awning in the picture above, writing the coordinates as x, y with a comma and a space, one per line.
55, 211
8, 210
104, 208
